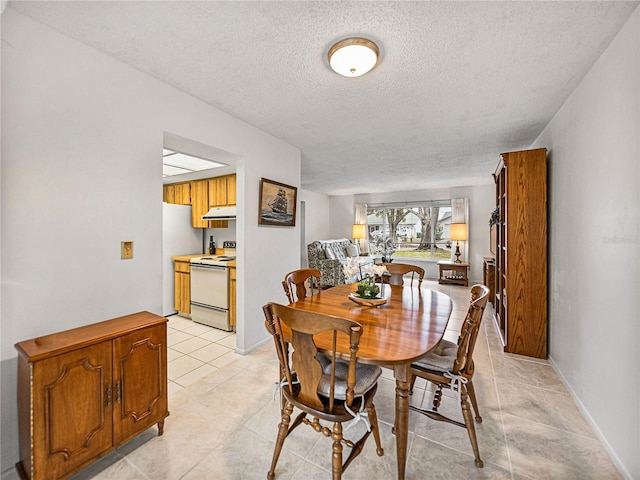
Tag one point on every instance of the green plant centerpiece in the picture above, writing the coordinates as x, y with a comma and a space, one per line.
367, 289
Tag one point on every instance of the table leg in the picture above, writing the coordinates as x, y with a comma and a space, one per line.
401, 374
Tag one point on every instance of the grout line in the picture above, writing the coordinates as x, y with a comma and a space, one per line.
495, 387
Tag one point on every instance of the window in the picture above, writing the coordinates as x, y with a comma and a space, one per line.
417, 230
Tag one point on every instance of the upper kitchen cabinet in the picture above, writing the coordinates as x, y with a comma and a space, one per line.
231, 189
222, 191
202, 195
218, 192
178, 193
199, 203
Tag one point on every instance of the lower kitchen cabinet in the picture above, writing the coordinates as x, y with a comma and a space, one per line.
182, 286
84, 392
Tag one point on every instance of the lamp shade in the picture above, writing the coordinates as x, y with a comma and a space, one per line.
353, 57
358, 231
458, 231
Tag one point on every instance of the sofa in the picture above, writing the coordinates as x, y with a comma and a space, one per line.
329, 256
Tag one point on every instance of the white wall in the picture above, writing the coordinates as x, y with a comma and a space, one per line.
342, 216
82, 139
481, 203
317, 220
594, 245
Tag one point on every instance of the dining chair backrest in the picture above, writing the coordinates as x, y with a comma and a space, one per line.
463, 364
309, 371
295, 283
322, 385
397, 271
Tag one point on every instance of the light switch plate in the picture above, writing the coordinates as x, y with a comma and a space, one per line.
126, 249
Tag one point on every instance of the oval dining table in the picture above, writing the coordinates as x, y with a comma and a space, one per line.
395, 334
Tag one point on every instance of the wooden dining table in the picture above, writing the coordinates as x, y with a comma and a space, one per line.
409, 325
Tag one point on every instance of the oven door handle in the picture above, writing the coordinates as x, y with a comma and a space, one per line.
210, 267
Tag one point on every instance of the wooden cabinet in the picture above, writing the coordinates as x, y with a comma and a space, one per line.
169, 193
222, 191
232, 297
219, 197
202, 195
199, 203
178, 193
521, 252
182, 286
231, 189
84, 392
218, 192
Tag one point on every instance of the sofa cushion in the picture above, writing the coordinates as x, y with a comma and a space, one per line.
337, 249
352, 251
328, 253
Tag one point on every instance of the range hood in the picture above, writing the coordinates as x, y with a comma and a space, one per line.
220, 213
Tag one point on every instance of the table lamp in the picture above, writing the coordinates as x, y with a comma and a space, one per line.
457, 232
358, 232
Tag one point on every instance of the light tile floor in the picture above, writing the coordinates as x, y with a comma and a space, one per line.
224, 418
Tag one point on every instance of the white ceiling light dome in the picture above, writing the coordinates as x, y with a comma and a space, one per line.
353, 57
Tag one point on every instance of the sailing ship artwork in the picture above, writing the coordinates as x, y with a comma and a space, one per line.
277, 204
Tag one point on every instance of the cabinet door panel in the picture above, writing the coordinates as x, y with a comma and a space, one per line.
71, 394
231, 189
199, 203
182, 292
169, 194
217, 191
183, 194
140, 379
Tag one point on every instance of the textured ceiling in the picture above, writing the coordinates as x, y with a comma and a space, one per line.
457, 84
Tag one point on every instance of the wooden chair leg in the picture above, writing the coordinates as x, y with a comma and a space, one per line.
412, 383
336, 457
474, 403
283, 430
373, 419
471, 429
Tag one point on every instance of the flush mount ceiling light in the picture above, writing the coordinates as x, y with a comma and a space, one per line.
353, 57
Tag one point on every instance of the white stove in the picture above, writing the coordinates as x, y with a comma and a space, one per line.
210, 290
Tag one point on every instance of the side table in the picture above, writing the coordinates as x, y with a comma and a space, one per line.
453, 273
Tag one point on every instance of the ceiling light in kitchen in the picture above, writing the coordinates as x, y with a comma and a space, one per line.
176, 163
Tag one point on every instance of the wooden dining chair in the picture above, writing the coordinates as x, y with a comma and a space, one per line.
397, 271
295, 283
319, 385
451, 366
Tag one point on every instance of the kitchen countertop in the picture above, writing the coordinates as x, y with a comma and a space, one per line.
186, 258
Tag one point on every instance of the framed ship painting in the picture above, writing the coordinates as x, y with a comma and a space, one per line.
277, 204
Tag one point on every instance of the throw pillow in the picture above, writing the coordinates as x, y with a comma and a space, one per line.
329, 254
352, 250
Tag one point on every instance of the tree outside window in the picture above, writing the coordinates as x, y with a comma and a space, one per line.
410, 231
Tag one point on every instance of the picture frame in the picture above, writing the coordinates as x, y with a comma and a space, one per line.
277, 204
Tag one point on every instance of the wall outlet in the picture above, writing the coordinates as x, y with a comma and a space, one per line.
126, 249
